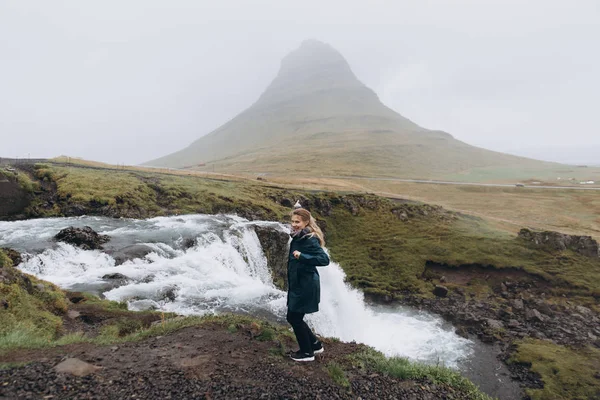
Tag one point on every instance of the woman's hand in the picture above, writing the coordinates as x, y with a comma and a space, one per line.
296, 254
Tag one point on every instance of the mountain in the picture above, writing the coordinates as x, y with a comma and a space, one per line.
316, 117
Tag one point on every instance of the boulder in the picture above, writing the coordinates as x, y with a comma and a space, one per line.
85, 238
533, 315
75, 366
274, 243
440, 291
131, 252
584, 245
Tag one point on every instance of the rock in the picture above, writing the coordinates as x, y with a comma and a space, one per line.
583, 310
274, 243
440, 291
592, 336
559, 241
443, 279
131, 252
538, 335
188, 243
75, 297
115, 276
72, 314
14, 255
85, 238
168, 293
533, 315
75, 366
517, 304
286, 202
543, 307
513, 323
494, 324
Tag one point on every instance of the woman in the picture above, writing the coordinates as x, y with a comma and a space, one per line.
304, 289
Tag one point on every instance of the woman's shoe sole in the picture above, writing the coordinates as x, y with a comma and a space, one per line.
303, 359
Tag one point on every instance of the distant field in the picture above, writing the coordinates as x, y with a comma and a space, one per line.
557, 176
568, 211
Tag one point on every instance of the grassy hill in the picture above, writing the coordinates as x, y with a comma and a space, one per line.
316, 117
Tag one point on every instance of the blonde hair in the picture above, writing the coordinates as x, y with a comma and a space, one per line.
305, 216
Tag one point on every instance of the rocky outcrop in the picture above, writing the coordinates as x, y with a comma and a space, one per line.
85, 238
14, 255
274, 243
13, 198
584, 245
74, 366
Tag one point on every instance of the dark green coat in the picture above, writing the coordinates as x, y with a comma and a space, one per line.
304, 287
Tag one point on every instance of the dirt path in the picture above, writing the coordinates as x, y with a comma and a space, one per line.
201, 363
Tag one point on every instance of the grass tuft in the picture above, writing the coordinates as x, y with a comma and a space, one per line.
337, 374
403, 369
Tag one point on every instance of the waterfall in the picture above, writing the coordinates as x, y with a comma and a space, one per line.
198, 264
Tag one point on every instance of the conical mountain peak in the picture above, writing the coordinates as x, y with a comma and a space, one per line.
314, 66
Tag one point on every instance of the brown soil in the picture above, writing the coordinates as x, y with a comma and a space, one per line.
470, 273
204, 362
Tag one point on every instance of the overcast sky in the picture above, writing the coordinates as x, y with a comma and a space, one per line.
127, 81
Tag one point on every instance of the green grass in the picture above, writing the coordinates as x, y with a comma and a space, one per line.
144, 194
337, 374
403, 369
567, 374
385, 256
26, 183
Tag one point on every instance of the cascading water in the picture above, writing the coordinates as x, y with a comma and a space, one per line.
222, 269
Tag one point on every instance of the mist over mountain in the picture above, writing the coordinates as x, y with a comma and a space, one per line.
317, 115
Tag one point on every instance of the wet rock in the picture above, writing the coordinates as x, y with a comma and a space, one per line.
274, 243
75, 366
115, 276
85, 238
131, 253
440, 291
168, 293
584, 245
188, 243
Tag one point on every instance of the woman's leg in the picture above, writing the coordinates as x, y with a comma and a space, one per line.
311, 335
301, 331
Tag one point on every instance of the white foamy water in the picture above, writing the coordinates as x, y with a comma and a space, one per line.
223, 270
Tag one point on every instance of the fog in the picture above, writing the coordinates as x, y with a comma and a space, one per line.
129, 81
